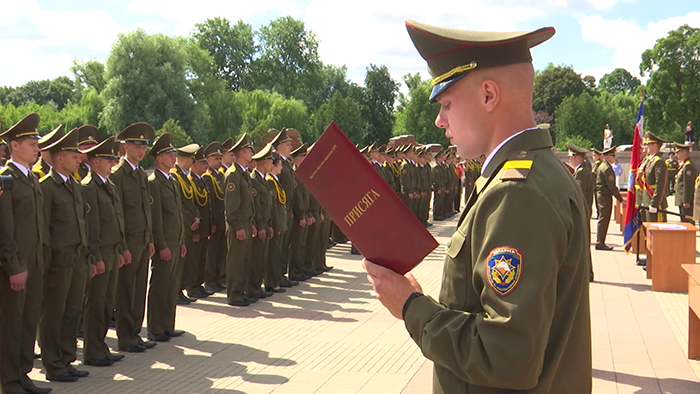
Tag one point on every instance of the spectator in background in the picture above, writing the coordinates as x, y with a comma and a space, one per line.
690, 135
607, 137
617, 169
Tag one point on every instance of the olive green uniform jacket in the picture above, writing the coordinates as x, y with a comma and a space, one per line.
586, 179
513, 312
685, 184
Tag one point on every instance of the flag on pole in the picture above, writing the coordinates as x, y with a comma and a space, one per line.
632, 219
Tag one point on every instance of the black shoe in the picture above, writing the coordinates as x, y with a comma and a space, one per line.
99, 362
112, 323
275, 290
182, 300
221, 286
642, 262
147, 344
158, 337
79, 333
197, 296
78, 374
239, 303
250, 300
133, 348
211, 290
175, 333
294, 282
115, 357
328, 268
66, 377
37, 355
603, 247
36, 390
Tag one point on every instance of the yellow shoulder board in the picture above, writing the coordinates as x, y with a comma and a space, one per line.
518, 166
43, 178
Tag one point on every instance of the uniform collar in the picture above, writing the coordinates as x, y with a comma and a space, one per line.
23, 169
165, 174
498, 148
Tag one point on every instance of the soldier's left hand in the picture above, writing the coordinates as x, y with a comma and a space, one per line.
151, 249
183, 251
100, 268
262, 234
686, 205
270, 232
392, 289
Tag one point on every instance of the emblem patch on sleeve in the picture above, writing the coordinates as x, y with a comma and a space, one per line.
504, 267
231, 187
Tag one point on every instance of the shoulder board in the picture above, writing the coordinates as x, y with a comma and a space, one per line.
44, 178
221, 169
518, 166
656, 158
115, 168
3, 170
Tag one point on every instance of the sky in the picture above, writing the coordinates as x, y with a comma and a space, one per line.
40, 38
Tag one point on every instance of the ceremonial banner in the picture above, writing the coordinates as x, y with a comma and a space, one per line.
632, 219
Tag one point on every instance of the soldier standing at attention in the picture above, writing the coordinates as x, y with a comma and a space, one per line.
195, 261
215, 270
409, 181
597, 159
685, 183
439, 186
279, 226
672, 164
585, 179
88, 136
227, 156
42, 167
262, 203
132, 186
239, 225
64, 286
190, 213
301, 219
498, 327
106, 242
23, 237
654, 173
283, 146
605, 189
169, 240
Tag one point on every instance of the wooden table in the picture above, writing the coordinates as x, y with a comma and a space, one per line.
620, 212
669, 246
693, 271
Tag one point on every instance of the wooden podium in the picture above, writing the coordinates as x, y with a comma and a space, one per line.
669, 246
620, 212
693, 271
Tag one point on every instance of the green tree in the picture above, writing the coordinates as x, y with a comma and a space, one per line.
673, 89
416, 114
619, 81
89, 74
148, 82
180, 137
232, 48
553, 84
378, 103
57, 92
346, 114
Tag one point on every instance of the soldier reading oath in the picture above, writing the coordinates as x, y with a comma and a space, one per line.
513, 311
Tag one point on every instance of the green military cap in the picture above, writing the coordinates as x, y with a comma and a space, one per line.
115, 148
372, 147
163, 144
67, 143
390, 150
27, 127
452, 53
382, 149
264, 154
241, 143
188, 150
440, 153
281, 137
610, 151
596, 151
575, 149
301, 151
104, 149
650, 138
213, 149
409, 148
679, 147
51, 137
138, 133
88, 134
200, 155
227, 145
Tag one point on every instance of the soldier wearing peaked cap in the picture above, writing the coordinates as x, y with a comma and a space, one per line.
106, 243
190, 214
65, 214
240, 227
169, 239
302, 219
652, 178
23, 234
42, 167
597, 159
283, 146
227, 157
132, 186
88, 136
274, 273
514, 280
262, 205
605, 190
215, 269
584, 176
195, 261
685, 182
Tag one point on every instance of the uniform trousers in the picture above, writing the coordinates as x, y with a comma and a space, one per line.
101, 292
131, 294
258, 264
604, 213
215, 268
195, 262
273, 272
297, 249
64, 287
310, 254
237, 262
164, 286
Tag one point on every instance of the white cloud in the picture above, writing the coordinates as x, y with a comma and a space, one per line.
628, 39
46, 48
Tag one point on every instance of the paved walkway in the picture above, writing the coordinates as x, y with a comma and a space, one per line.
330, 335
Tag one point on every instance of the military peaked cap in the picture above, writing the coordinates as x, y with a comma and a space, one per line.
51, 137
67, 143
241, 143
188, 150
264, 154
163, 144
138, 133
88, 134
104, 149
213, 149
27, 127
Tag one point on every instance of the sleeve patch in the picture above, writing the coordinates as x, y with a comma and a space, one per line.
504, 267
231, 186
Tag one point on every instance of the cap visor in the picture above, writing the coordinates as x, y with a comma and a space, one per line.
441, 87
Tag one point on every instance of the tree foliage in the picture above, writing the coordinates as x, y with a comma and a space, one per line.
378, 104
416, 113
619, 81
553, 84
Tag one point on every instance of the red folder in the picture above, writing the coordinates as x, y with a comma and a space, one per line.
362, 204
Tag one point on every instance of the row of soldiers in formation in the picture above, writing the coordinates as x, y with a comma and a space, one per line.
79, 227
653, 181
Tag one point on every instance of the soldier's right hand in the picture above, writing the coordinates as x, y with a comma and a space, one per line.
213, 228
127, 257
262, 235
18, 281
165, 254
121, 261
240, 235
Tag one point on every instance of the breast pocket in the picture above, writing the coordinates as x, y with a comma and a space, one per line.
106, 206
455, 280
